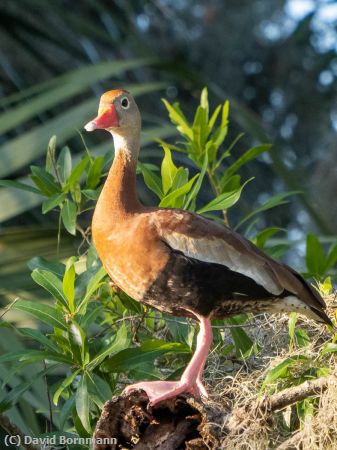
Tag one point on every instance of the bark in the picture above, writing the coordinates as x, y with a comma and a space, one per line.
264, 407
185, 423
178, 423
292, 443
13, 430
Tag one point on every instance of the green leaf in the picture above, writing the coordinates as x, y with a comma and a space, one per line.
196, 188
221, 132
31, 356
51, 283
78, 343
133, 357
200, 129
65, 383
82, 404
93, 285
69, 216
66, 412
177, 117
99, 386
64, 165
16, 356
224, 201
305, 409
95, 173
52, 202
44, 181
291, 327
214, 116
171, 200
302, 337
262, 237
225, 113
182, 332
315, 256
55, 267
326, 286
50, 159
180, 179
152, 181
281, 370
329, 347
10, 399
272, 202
42, 312
250, 154
204, 101
76, 173
38, 337
121, 341
68, 283
244, 345
168, 170
91, 194
18, 185
331, 259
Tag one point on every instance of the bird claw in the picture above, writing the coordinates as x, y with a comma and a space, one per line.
158, 391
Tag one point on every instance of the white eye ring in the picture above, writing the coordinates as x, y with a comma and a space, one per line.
125, 103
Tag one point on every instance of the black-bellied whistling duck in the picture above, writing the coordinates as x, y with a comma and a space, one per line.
179, 262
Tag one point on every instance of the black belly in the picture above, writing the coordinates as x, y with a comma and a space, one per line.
209, 289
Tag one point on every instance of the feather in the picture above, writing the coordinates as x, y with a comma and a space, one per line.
207, 241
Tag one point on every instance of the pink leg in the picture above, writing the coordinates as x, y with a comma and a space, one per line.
191, 380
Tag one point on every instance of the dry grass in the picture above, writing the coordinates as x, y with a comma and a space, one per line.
235, 383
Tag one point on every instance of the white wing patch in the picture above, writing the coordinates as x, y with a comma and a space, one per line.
218, 251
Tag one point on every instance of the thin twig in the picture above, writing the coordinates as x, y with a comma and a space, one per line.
9, 307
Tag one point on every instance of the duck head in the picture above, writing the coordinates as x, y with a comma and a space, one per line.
117, 113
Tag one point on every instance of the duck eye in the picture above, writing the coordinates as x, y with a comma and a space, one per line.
125, 103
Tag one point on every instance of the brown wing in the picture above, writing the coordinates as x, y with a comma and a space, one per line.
208, 241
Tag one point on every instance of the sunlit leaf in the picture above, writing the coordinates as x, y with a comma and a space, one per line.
168, 170
224, 201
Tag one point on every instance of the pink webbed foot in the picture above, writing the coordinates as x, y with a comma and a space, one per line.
158, 391
191, 380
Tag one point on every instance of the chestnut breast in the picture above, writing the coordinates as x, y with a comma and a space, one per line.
132, 253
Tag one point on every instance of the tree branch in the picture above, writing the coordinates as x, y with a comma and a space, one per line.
262, 409
13, 430
292, 442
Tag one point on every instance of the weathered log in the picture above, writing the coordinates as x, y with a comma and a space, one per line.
180, 423
185, 423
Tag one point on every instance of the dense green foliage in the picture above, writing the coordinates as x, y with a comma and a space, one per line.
90, 339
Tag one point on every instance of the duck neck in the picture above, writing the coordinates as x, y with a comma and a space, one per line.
119, 197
